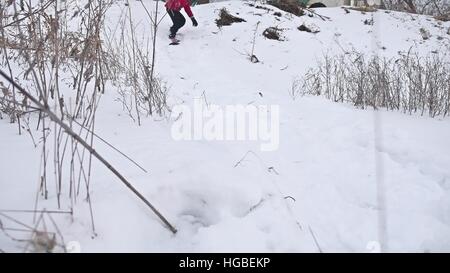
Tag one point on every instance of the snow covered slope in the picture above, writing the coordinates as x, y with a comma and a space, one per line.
318, 190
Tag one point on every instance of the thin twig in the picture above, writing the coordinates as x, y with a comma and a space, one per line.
35, 211
315, 240
111, 146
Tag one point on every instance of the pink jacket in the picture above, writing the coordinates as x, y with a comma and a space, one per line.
178, 4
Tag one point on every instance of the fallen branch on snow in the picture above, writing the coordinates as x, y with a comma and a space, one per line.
70, 132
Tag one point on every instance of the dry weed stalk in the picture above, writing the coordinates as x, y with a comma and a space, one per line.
409, 83
49, 48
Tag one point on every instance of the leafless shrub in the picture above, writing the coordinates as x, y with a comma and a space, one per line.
364, 9
400, 5
259, 6
443, 17
290, 6
226, 19
41, 236
273, 33
310, 29
408, 83
141, 92
8, 104
54, 54
56, 46
439, 8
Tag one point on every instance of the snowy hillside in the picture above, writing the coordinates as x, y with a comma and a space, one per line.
317, 192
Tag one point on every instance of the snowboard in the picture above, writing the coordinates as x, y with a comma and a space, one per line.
174, 41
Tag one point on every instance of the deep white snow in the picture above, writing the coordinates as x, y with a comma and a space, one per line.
320, 183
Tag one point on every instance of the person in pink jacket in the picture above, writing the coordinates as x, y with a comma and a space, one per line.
173, 9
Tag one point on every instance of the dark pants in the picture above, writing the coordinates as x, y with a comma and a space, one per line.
177, 19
